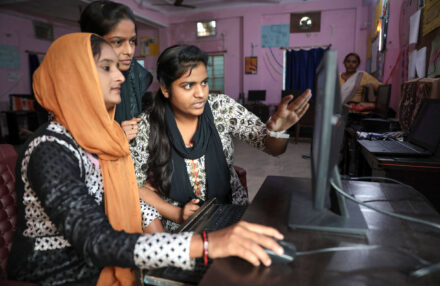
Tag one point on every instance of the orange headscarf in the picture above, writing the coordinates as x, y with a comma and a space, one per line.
67, 85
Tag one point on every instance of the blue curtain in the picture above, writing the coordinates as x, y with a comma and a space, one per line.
301, 67
34, 62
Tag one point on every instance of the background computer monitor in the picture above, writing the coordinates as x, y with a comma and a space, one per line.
256, 95
383, 100
325, 209
287, 92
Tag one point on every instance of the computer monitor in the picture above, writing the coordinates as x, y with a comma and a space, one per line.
293, 92
325, 209
256, 95
383, 100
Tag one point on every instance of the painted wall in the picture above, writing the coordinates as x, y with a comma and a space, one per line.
17, 30
227, 39
343, 24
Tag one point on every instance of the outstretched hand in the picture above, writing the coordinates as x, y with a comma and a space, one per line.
289, 114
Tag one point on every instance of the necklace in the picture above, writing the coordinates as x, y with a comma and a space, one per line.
195, 173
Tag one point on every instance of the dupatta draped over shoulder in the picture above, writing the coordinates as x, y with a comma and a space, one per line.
67, 84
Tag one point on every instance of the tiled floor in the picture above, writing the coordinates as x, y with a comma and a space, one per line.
258, 164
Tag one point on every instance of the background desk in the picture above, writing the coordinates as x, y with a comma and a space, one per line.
360, 267
422, 173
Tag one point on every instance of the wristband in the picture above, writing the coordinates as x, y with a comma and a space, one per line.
278, 134
205, 247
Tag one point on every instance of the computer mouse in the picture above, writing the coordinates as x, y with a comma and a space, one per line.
288, 255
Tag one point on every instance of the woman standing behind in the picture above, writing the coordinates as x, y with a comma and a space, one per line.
353, 82
184, 148
116, 24
79, 216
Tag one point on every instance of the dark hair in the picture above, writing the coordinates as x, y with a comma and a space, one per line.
173, 62
96, 43
100, 17
354, 55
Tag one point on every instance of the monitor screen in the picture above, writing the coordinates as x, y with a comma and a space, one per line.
293, 92
326, 209
424, 131
256, 95
383, 100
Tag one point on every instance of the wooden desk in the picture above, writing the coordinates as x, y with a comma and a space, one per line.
383, 266
421, 173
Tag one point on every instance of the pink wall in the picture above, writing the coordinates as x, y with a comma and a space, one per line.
227, 39
16, 30
343, 24
398, 36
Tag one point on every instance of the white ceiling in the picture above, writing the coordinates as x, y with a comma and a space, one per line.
169, 7
69, 10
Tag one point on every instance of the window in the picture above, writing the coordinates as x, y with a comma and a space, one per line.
206, 28
216, 74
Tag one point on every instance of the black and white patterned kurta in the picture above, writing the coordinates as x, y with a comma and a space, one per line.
231, 120
63, 234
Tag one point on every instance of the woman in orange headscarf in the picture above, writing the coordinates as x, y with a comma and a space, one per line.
79, 216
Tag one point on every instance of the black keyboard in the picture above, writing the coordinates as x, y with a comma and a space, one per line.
169, 275
397, 146
224, 215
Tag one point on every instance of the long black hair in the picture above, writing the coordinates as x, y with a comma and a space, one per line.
174, 62
101, 17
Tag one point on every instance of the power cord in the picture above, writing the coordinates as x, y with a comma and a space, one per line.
363, 247
404, 217
419, 272
345, 177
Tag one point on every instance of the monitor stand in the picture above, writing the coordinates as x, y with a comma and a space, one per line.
303, 214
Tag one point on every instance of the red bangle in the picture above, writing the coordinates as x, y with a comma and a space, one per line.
205, 247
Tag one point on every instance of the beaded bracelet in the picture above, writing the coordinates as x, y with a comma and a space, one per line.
205, 247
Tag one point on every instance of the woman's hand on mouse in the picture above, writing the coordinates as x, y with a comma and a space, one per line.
245, 240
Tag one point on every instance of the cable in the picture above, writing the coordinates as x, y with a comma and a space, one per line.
391, 180
336, 249
364, 247
404, 217
425, 270
275, 58
270, 63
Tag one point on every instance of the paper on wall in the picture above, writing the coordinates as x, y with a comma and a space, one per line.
414, 22
420, 62
411, 64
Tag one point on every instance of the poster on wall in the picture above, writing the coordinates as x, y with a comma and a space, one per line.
434, 58
251, 65
275, 36
431, 16
148, 46
414, 27
9, 57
